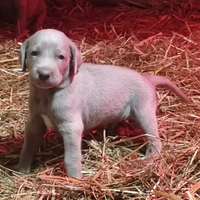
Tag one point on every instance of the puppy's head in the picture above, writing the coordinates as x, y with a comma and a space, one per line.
49, 56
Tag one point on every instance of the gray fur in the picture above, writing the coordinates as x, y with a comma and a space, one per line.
81, 96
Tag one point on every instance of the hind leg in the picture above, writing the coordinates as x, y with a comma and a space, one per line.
145, 116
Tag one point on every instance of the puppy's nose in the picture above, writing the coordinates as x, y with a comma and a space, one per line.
44, 76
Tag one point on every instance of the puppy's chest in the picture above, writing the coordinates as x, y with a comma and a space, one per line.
48, 122
45, 107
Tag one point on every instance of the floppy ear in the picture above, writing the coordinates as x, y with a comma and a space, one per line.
75, 58
22, 55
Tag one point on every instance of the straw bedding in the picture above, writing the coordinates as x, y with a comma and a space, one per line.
163, 40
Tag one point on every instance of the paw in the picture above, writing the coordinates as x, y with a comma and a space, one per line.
154, 148
147, 161
22, 170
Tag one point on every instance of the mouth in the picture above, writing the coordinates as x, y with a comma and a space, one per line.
45, 84
42, 84
51, 82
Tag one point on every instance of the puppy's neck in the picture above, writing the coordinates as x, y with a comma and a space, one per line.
67, 80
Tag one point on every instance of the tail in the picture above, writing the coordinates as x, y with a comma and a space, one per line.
166, 83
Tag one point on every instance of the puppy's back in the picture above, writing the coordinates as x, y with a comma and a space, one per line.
107, 93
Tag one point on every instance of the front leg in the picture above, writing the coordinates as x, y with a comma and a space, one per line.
34, 131
72, 137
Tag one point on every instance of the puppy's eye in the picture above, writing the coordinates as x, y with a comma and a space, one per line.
34, 53
61, 57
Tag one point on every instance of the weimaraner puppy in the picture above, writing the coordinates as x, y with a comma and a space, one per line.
70, 96
26, 14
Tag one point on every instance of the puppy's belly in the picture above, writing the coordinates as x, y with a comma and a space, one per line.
93, 123
105, 116
48, 122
